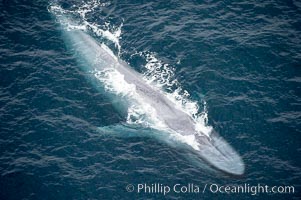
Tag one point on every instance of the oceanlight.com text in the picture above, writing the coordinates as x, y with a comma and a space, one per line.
164, 189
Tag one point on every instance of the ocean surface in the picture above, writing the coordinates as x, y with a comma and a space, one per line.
233, 66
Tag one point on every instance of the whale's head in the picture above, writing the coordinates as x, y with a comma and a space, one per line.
219, 154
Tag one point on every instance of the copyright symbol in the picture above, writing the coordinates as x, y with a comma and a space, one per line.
130, 188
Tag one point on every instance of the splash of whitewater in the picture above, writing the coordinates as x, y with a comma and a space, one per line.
156, 73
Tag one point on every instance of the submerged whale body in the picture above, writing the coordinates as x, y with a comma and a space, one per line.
214, 149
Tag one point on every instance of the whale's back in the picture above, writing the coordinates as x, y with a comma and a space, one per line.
215, 150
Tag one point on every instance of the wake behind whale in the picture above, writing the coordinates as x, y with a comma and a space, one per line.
98, 58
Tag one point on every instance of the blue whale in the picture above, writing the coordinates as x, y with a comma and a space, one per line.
213, 149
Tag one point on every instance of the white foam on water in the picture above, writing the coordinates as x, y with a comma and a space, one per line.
157, 73
139, 112
106, 30
188, 139
162, 76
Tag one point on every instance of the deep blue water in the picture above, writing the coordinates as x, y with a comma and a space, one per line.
242, 58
